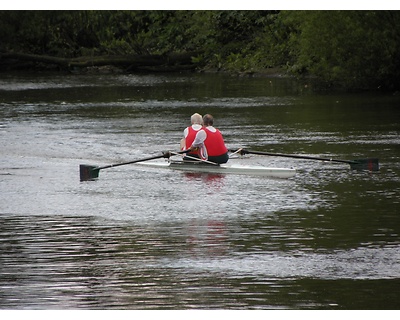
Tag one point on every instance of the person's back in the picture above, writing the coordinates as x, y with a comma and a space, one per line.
214, 142
190, 134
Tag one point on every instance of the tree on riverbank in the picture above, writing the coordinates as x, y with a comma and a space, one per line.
352, 49
348, 49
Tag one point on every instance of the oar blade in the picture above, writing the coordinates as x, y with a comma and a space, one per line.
88, 172
370, 164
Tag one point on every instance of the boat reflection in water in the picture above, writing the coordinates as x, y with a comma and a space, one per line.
207, 238
208, 178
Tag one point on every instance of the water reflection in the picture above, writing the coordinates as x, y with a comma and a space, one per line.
74, 262
142, 238
207, 238
211, 180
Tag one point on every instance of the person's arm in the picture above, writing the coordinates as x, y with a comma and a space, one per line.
199, 140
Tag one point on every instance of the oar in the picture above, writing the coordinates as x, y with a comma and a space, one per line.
371, 164
198, 160
92, 172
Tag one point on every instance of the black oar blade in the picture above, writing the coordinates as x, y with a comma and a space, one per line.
88, 172
371, 164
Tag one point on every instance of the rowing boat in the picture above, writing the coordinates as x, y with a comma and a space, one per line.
227, 168
89, 172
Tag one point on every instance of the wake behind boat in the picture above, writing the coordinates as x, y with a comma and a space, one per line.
226, 168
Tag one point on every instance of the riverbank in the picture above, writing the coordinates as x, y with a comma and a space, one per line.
17, 66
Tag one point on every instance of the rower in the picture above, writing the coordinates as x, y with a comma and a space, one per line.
209, 142
189, 136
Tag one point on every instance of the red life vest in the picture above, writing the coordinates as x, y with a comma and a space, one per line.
215, 143
191, 136
189, 140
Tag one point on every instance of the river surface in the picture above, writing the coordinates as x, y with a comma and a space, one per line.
147, 238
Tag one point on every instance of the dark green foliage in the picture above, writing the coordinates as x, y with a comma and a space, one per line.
348, 49
352, 49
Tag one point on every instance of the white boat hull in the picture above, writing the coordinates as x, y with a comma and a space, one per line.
231, 168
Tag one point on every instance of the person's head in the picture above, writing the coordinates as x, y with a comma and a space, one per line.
196, 119
208, 120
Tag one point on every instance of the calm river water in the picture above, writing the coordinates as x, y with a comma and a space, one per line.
146, 238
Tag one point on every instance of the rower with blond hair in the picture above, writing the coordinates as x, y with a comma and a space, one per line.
190, 134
